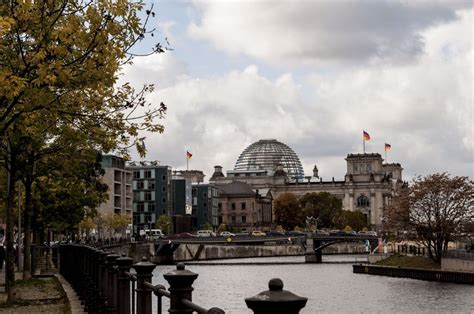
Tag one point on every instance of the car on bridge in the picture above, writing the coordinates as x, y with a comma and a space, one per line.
226, 234
184, 235
257, 233
205, 234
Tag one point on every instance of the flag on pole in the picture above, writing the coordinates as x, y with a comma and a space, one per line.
387, 147
365, 136
188, 155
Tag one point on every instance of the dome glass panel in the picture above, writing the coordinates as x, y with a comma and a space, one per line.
267, 155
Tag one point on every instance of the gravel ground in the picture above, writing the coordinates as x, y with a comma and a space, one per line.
38, 295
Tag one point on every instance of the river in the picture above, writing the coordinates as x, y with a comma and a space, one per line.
330, 287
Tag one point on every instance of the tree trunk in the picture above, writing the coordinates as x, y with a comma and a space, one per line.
10, 252
27, 239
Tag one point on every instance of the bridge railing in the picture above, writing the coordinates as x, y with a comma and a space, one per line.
106, 283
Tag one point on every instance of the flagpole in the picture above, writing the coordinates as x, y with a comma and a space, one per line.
386, 161
363, 143
187, 163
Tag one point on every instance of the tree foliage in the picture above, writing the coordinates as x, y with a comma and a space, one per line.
287, 211
323, 206
436, 207
164, 223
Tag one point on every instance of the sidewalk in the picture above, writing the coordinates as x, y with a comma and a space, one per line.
41, 295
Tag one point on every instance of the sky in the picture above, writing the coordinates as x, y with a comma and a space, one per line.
313, 75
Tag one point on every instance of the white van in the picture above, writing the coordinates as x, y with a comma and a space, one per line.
205, 234
154, 234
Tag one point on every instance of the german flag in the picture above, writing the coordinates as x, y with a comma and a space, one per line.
365, 136
188, 155
388, 147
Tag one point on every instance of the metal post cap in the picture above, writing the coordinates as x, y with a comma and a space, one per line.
276, 300
180, 276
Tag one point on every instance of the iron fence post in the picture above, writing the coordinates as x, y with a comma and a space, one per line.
144, 271
180, 281
112, 283
124, 263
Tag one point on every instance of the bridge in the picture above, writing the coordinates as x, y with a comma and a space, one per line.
317, 242
312, 244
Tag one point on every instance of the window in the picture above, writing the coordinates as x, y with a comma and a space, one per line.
163, 189
140, 207
136, 174
147, 196
204, 194
242, 206
151, 207
244, 219
219, 206
356, 168
232, 206
163, 178
136, 196
164, 200
234, 220
151, 184
140, 185
363, 201
204, 204
147, 174
369, 167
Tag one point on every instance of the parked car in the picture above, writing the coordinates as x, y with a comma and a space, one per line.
372, 233
205, 234
227, 234
258, 233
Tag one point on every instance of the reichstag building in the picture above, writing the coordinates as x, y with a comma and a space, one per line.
271, 166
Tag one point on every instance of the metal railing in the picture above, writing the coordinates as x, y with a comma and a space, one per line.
105, 283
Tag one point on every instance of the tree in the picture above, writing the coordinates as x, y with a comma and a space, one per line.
355, 219
59, 64
323, 206
436, 207
164, 223
287, 211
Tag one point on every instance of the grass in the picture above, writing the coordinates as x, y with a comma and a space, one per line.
409, 262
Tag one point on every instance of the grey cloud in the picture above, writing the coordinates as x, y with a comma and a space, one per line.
312, 32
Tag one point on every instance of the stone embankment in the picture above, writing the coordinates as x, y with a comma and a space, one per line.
415, 273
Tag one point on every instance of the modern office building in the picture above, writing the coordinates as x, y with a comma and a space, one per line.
119, 181
152, 193
368, 186
205, 205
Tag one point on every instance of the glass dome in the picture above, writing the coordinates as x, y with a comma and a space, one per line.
267, 155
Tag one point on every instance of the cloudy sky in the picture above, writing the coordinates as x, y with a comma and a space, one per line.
314, 74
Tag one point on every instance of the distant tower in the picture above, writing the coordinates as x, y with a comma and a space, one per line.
217, 173
315, 172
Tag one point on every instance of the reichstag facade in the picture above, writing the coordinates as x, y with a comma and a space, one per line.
368, 186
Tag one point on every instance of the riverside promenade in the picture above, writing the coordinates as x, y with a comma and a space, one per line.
51, 294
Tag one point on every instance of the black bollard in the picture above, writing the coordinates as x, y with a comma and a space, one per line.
124, 263
144, 271
181, 287
276, 300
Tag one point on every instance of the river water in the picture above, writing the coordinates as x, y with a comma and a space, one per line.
330, 287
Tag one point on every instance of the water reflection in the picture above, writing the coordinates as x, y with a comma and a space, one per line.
329, 288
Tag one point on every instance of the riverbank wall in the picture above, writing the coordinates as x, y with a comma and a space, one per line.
415, 273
